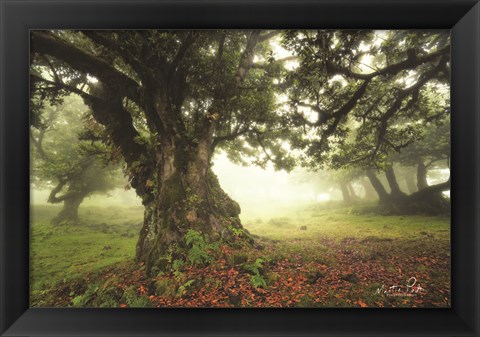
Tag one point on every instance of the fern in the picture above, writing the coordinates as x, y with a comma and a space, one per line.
236, 231
135, 300
177, 266
199, 255
199, 252
255, 267
184, 287
84, 299
258, 281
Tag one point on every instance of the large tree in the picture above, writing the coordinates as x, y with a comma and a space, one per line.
168, 100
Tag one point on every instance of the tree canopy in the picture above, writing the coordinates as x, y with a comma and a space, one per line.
360, 96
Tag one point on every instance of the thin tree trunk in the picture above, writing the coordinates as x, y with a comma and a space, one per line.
345, 193
377, 185
421, 175
368, 188
353, 194
392, 182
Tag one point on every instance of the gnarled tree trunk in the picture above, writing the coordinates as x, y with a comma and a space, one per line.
69, 212
187, 196
71, 201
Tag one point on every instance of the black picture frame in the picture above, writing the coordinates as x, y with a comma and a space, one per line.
17, 17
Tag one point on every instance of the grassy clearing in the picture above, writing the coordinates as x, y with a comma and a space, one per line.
320, 256
61, 253
370, 234
358, 252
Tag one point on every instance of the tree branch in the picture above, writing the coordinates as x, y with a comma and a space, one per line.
219, 139
268, 35
49, 44
411, 62
38, 144
182, 51
52, 198
404, 93
108, 110
128, 57
61, 85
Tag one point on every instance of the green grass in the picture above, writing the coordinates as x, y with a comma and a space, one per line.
105, 237
379, 249
344, 238
372, 233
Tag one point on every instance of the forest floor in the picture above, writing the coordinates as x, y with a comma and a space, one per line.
317, 256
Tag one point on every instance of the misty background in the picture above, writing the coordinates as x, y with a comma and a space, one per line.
261, 193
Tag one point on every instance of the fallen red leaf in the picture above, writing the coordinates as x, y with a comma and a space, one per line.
362, 304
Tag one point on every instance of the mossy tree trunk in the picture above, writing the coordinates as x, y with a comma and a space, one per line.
187, 196
172, 174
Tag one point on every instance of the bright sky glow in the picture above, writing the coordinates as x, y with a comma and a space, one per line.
260, 191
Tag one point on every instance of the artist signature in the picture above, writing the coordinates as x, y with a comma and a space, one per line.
410, 289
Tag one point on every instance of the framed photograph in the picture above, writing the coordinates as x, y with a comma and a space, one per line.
236, 168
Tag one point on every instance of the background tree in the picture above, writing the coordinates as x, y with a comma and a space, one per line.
412, 164
72, 169
345, 179
433, 152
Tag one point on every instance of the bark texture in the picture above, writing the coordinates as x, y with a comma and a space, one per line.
187, 197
